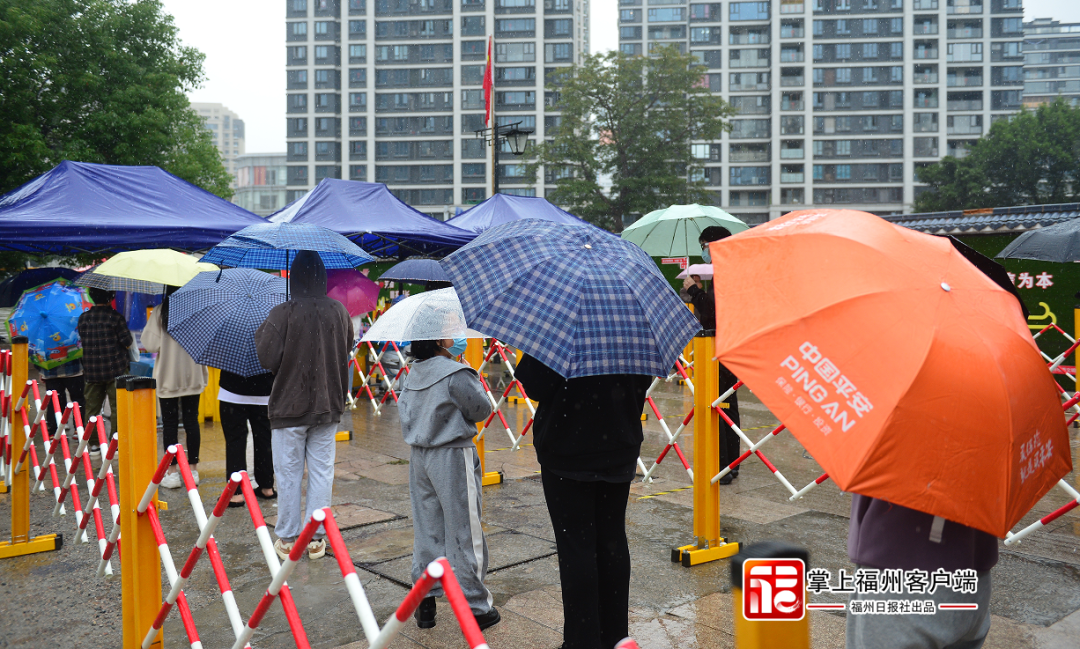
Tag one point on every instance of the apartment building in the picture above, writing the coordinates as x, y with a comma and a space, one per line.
227, 130
260, 182
391, 91
1051, 62
839, 101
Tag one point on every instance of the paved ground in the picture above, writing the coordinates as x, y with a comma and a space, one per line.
53, 600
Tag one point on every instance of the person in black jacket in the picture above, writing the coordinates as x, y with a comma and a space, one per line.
588, 438
705, 309
243, 401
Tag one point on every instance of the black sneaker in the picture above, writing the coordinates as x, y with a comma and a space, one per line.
425, 613
727, 479
485, 620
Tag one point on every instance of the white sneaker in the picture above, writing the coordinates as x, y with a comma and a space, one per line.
172, 480
316, 549
283, 549
195, 476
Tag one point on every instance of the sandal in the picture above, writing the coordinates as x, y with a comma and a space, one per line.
259, 494
236, 503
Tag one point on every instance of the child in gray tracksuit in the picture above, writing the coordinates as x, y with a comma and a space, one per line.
439, 406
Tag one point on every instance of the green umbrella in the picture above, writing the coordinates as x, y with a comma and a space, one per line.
673, 231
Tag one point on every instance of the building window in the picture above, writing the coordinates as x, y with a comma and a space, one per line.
358, 54
297, 151
357, 102
558, 53
298, 31
357, 28
748, 11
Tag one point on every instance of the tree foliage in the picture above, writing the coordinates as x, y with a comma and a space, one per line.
1031, 159
631, 118
99, 81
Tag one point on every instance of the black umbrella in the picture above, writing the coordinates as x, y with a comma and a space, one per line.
11, 289
990, 268
1059, 242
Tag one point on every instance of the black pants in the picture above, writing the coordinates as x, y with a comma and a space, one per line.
235, 418
729, 439
74, 387
171, 411
589, 519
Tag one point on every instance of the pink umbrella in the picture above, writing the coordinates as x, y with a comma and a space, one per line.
353, 289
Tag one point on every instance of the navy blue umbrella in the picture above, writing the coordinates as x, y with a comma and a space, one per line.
416, 270
11, 289
214, 317
271, 246
574, 297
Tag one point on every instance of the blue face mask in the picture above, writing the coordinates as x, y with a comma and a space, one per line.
458, 348
705, 254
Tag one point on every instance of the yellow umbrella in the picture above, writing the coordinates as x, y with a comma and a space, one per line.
157, 266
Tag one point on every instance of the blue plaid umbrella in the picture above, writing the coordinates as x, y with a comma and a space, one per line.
269, 246
579, 300
215, 315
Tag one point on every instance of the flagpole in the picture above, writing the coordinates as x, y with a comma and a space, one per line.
491, 116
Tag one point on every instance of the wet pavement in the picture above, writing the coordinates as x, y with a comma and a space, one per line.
54, 600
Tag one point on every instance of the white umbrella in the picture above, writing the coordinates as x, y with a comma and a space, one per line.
433, 315
702, 270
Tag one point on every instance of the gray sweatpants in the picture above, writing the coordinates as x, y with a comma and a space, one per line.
941, 630
292, 447
444, 484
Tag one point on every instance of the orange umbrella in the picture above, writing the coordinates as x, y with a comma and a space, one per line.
908, 374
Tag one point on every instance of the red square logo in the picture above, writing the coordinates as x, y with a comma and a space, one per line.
773, 589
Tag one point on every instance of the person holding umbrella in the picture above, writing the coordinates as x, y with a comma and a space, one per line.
305, 343
596, 320
705, 309
214, 317
439, 405
180, 384
105, 340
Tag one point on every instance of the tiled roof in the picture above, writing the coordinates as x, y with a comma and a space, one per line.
999, 220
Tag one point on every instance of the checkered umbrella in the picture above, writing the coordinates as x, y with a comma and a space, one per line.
215, 315
114, 283
273, 246
579, 300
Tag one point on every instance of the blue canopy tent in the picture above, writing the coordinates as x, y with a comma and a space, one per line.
85, 207
501, 208
374, 218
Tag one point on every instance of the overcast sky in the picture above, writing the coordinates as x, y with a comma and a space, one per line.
244, 43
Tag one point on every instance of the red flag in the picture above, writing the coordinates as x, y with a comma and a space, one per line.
489, 82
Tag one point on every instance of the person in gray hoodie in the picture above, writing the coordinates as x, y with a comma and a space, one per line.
305, 342
439, 406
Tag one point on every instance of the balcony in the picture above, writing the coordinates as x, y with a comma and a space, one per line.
926, 53
791, 55
792, 154
965, 32
924, 28
963, 7
792, 104
792, 80
965, 128
957, 81
792, 177
789, 7
926, 77
964, 104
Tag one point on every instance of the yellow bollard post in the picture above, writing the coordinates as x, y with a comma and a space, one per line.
709, 545
140, 564
19, 485
474, 356
761, 634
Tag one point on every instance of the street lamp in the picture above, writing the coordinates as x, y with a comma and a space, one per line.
517, 139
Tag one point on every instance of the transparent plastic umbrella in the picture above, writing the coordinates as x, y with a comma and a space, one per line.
433, 315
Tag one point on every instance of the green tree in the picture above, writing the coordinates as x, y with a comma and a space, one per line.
99, 81
1032, 158
632, 118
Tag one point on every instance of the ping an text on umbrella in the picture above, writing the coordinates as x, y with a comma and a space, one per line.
1034, 453
816, 387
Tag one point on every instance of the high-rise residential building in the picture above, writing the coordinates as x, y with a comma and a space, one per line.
839, 100
260, 182
391, 91
227, 130
1051, 62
